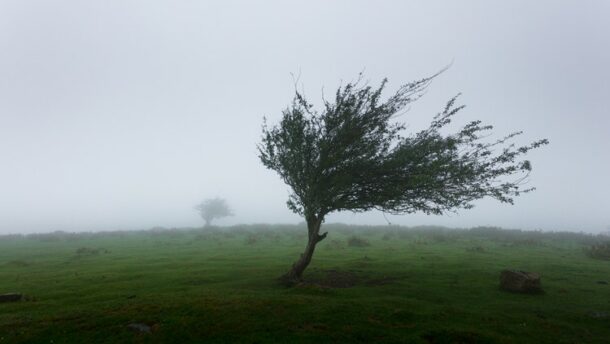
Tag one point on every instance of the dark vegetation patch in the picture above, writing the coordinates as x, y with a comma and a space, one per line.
251, 239
599, 251
455, 337
356, 241
334, 278
88, 251
527, 242
371, 282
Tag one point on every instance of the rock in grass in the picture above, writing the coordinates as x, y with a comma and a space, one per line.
520, 281
598, 315
138, 327
11, 297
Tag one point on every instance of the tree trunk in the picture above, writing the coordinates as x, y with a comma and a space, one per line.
295, 274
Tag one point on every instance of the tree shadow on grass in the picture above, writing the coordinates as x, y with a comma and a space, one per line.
334, 278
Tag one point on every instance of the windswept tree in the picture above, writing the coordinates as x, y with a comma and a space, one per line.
213, 208
352, 155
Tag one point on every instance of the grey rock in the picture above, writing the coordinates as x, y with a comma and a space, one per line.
11, 297
138, 327
520, 281
598, 315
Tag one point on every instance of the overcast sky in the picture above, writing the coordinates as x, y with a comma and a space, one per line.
125, 114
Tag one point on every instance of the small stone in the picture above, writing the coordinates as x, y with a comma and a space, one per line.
598, 315
11, 297
138, 327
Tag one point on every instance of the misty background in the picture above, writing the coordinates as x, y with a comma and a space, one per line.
126, 114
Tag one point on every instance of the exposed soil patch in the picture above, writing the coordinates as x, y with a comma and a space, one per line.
345, 279
334, 279
452, 336
380, 281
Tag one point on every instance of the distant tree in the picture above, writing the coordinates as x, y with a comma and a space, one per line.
213, 208
352, 156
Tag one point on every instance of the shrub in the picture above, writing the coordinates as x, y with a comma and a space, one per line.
251, 239
600, 251
355, 241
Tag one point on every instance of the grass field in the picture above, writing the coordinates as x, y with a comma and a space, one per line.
402, 285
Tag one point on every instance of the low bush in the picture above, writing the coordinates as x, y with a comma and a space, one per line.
599, 251
355, 241
251, 239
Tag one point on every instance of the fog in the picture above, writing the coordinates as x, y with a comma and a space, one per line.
126, 114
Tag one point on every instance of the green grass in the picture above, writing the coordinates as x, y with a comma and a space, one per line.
420, 285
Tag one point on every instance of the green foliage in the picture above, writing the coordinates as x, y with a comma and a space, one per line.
352, 156
213, 208
600, 251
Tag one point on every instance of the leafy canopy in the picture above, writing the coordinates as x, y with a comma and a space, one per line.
352, 156
213, 208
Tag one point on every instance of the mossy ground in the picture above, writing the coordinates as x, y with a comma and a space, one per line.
420, 285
